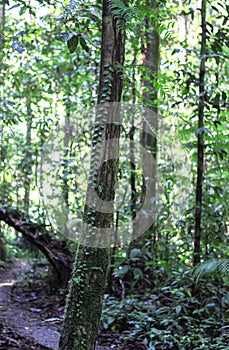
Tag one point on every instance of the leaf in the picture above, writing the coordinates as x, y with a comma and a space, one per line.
84, 44
220, 266
178, 309
156, 331
202, 130
18, 46
138, 273
23, 32
192, 13
72, 43
64, 37
123, 270
22, 10
134, 253
13, 7
216, 100
224, 96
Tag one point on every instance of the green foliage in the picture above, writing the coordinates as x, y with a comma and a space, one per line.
214, 266
72, 43
161, 304
126, 16
172, 316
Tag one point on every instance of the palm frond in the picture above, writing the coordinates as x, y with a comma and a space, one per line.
219, 266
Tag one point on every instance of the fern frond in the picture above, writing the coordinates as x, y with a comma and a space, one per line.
123, 14
219, 266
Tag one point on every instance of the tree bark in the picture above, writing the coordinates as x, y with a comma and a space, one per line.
87, 285
151, 64
200, 143
28, 156
2, 156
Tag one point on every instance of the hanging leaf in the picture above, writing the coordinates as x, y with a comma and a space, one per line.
84, 44
18, 46
72, 43
216, 101
224, 96
192, 13
22, 10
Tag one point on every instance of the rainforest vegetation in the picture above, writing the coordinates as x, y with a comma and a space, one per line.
114, 155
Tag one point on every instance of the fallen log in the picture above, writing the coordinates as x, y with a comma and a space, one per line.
56, 251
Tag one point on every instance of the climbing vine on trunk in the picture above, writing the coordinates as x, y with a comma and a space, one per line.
87, 285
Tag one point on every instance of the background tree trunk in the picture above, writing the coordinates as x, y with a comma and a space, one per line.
151, 64
28, 154
87, 285
2, 26
200, 133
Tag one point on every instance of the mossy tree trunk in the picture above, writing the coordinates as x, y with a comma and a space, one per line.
87, 285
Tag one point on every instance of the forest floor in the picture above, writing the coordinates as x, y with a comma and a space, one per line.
31, 313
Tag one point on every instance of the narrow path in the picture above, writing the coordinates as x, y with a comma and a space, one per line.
23, 322
26, 324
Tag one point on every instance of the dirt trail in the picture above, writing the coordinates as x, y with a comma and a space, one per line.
27, 324
23, 322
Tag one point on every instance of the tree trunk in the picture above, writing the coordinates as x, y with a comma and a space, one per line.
28, 156
87, 285
2, 155
2, 25
200, 144
151, 63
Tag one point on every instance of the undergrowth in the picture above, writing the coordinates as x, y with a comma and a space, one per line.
180, 315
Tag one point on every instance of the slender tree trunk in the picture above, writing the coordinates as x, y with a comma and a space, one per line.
28, 156
151, 62
66, 155
67, 140
133, 203
2, 155
200, 147
87, 285
2, 26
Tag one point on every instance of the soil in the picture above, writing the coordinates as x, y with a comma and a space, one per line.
29, 319
32, 312
22, 327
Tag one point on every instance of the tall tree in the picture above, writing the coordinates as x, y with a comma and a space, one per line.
2, 25
148, 138
87, 285
200, 132
151, 62
28, 155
